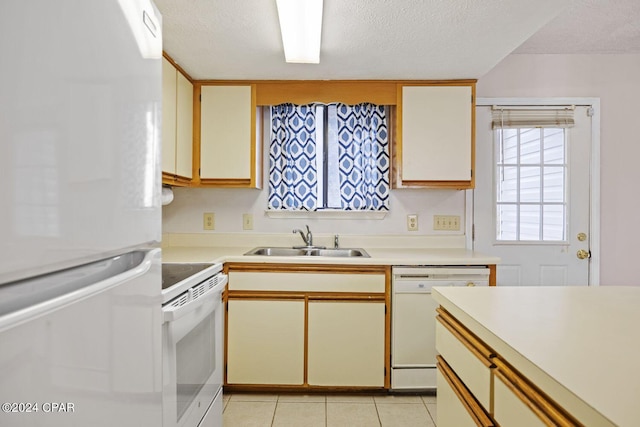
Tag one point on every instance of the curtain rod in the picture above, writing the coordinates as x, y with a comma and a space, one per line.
533, 107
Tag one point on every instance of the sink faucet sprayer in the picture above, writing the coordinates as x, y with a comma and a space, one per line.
308, 239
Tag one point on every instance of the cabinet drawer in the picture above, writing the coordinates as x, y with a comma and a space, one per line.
471, 364
306, 282
517, 402
510, 409
456, 406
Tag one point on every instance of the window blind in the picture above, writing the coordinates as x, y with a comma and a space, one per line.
526, 117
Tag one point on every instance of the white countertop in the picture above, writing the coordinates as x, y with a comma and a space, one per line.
580, 342
378, 256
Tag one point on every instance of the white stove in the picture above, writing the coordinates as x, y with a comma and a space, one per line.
192, 344
178, 277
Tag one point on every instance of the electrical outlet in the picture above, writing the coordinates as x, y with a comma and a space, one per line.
247, 221
412, 222
209, 221
446, 222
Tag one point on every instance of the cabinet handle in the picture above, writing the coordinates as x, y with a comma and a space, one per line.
481, 351
544, 408
470, 403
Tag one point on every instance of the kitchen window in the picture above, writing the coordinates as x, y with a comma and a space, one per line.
531, 174
329, 157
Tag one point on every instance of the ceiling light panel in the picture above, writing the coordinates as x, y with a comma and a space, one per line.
301, 29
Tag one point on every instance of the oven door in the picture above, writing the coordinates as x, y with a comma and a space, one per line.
193, 358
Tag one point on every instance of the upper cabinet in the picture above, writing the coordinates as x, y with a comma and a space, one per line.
435, 145
177, 126
229, 140
212, 130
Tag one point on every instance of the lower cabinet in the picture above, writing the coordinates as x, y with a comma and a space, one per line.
302, 327
512, 409
478, 387
452, 410
346, 343
265, 342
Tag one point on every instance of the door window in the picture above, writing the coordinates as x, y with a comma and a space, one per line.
531, 170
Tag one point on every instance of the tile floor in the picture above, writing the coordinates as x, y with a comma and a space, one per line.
331, 410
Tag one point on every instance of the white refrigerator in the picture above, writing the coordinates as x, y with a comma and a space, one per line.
80, 216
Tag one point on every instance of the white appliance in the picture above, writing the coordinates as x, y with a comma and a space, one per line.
80, 217
413, 320
193, 344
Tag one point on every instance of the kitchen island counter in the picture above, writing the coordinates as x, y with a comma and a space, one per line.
578, 344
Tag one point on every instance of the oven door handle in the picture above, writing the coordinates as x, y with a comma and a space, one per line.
171, 314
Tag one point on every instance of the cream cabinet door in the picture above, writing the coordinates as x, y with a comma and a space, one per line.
226, 139
265, 342
184, 127
168, 117
436, 134
346, 343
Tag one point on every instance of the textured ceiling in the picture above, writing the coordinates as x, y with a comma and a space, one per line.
590, 26
386, 39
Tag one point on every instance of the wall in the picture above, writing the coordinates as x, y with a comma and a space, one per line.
184, 214
613, 79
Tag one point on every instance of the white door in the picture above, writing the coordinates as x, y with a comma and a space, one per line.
531, 205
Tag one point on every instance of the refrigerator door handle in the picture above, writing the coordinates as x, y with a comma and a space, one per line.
28, 299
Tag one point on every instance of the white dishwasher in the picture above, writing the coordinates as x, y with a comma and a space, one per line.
413, 320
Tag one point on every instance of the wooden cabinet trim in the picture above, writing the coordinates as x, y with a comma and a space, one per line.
381, 92
473, 407
451, 185
492, 275
175, 180
312, 296
542, 405
306, 92
223, 182
177, 66
308, 268
477, 347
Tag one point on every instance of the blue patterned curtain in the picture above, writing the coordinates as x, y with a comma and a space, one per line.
292, 158
364, 157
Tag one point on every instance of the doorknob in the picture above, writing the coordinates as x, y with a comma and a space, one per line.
582, 254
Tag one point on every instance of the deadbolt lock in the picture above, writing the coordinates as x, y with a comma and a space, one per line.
582, 237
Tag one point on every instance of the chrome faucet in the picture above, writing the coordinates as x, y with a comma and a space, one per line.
308, 238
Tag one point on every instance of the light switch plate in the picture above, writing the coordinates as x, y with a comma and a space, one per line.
247, 221
446, 222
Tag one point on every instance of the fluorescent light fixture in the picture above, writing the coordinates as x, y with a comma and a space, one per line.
301, 27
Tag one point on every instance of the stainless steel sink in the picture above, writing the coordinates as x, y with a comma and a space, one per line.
340, 252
